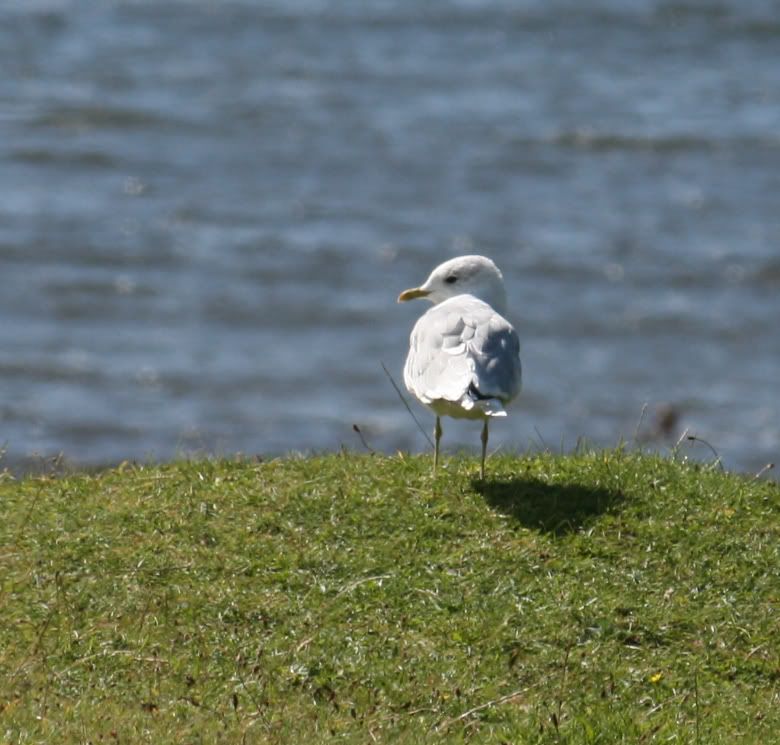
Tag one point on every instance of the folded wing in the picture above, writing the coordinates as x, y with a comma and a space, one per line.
465, 354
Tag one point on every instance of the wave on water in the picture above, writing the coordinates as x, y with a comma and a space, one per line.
584, 139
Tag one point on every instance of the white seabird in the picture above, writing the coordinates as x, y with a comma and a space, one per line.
464, 356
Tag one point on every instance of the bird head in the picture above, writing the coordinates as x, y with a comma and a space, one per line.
463, 275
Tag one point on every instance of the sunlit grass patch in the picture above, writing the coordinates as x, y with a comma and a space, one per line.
600, 597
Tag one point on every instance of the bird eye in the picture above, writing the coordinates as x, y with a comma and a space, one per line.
451, 280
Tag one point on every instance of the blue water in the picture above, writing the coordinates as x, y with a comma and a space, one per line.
207, 210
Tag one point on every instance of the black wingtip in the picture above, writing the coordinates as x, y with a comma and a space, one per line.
476, 394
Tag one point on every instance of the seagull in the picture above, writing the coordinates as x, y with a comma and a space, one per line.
464, 356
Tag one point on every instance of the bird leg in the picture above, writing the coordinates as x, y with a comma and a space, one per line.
484, 449
436, 438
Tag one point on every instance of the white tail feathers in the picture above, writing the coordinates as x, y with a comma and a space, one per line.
490, 407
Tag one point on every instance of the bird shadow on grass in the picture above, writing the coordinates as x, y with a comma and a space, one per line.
547, 508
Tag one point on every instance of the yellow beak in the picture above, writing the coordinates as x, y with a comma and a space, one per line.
412, 294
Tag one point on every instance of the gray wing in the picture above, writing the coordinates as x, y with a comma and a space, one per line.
463, 351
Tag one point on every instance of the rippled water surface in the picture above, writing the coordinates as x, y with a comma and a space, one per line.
207, 210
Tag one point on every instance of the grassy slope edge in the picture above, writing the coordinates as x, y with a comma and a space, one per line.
603, 597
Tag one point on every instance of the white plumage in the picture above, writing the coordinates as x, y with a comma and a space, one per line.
464, 356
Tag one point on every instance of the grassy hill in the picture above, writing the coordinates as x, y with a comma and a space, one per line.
604, 597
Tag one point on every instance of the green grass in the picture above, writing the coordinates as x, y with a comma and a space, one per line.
604, 597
